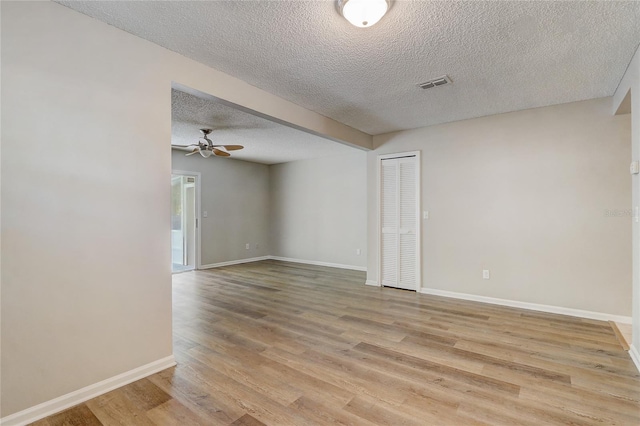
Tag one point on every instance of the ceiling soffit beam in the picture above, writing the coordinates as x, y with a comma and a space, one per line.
278, 110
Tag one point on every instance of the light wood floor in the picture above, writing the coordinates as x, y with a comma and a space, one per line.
623, 332
285, 344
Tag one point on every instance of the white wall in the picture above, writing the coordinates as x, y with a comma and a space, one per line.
86, 284
524, 195
627, 97
319, 209
86, 279
235, 195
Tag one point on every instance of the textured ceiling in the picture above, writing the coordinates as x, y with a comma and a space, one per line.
264, 141
502, 56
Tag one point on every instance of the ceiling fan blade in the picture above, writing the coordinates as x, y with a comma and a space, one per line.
232, 147
220, 153
195, 151
185, 146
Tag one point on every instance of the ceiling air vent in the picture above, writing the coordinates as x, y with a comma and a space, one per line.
440, 81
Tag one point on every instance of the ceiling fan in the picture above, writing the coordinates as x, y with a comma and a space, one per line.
206, 147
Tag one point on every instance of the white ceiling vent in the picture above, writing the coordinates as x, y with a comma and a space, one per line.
440, 81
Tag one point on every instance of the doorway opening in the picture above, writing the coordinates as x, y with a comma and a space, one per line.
185, 195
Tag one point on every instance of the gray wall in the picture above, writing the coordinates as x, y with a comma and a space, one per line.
313, 210
319, 209
86, 279
524, 195
86, 284
235, 195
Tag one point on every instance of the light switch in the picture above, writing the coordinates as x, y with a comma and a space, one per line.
425, 214
634, 168
205, 214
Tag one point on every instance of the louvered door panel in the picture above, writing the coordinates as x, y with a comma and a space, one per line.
389, 194
407, 267
408, 221
399, 222
389, 221
390, 259
408, 194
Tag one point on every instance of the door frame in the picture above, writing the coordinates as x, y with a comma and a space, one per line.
198, 233
381, 157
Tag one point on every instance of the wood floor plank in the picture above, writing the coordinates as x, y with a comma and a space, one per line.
457, 374
242, 397
279, 343
250, 375
615, 412
512, 367
80, 415
247, 420
116, 408
193, 390
173, 413
145, 395
380, 413
320, 413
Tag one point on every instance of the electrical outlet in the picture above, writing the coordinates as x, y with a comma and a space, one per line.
247, 246
358, 252
485, 274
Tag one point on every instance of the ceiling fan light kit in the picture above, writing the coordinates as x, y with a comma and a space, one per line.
206, 147
363, 13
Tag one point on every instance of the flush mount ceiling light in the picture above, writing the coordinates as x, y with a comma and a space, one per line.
363, 13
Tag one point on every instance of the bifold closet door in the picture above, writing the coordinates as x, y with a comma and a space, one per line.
399, 222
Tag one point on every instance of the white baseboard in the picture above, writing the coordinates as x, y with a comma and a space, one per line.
81, 395
318, 263
234, 262
372, 283
531, 306
635, 356
284, 259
